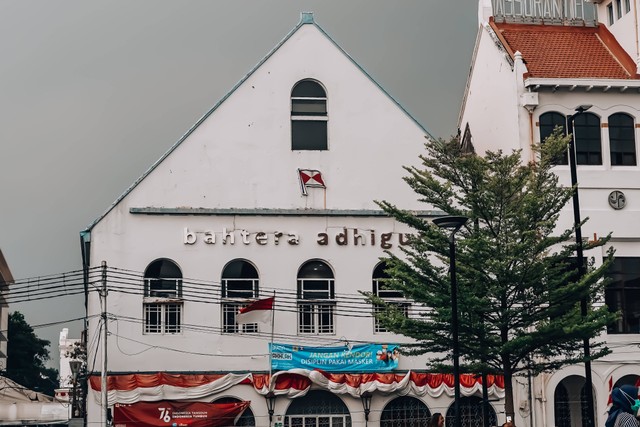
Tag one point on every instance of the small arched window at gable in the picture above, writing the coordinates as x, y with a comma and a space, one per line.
308, 116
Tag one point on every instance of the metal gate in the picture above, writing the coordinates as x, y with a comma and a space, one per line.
405, 411
318, 408
471, 413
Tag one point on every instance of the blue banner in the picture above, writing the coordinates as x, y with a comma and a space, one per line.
359, 358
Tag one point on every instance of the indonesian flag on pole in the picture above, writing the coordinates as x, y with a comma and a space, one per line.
259, 311
310, 178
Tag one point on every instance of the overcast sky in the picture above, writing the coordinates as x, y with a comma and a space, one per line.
94, 92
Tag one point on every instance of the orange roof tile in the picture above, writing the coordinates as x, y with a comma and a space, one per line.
555, 51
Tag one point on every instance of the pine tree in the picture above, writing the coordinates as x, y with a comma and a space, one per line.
518, 289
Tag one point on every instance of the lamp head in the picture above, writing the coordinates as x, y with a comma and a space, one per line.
452, 222
582, 108
75, 367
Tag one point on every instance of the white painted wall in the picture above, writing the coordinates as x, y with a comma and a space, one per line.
491, 99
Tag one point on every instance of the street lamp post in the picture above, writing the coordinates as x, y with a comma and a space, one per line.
454, 223
580, 260
74, 365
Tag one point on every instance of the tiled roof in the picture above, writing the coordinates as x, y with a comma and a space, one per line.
555, 51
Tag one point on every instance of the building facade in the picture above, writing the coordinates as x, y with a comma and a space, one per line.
5, 281
271, 194
542, 64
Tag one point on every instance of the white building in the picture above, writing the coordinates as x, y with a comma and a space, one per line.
534, 63
66, 347
231, 214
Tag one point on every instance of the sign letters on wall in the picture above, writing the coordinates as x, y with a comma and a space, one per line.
343, 237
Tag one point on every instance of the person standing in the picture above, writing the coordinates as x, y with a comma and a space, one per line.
625, 407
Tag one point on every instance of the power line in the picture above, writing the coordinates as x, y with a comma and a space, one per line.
193, 290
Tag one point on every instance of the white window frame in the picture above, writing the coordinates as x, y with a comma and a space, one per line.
163, 308
231, 305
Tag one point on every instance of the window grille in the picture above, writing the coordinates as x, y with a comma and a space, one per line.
162, 305
316, 304
405, 411
389, 295
240, 285
162, 318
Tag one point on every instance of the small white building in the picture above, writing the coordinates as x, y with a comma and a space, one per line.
271, 193
534, 64
5, 281
66, 347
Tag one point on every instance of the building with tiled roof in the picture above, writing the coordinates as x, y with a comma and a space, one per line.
541, 64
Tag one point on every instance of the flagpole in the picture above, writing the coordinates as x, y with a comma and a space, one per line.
273, 317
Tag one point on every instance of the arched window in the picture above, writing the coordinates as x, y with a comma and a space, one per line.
631, 379
588, 139
471, 414
308, 116
622, 140
316, 298
405, 411
548, 122
162, 305
317, 408
562, 413
390, 296
239, 284
570, 403
246, 419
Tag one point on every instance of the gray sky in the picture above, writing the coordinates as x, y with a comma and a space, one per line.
94, 92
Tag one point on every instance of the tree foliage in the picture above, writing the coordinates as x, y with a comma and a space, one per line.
26, 357
519, 292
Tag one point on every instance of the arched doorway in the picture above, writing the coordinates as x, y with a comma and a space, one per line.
317, 408
405, 411
569, 402
471, 413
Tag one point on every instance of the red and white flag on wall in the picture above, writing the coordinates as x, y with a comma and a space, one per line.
260, 311
310, 178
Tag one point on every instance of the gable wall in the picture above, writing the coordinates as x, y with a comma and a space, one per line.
491, 99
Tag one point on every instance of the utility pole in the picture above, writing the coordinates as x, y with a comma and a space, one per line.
103, 376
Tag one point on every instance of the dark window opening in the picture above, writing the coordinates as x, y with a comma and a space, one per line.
588, 142
622, 140
308, 116
623, 295
548, 123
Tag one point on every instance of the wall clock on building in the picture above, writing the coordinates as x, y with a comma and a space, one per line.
617, 200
